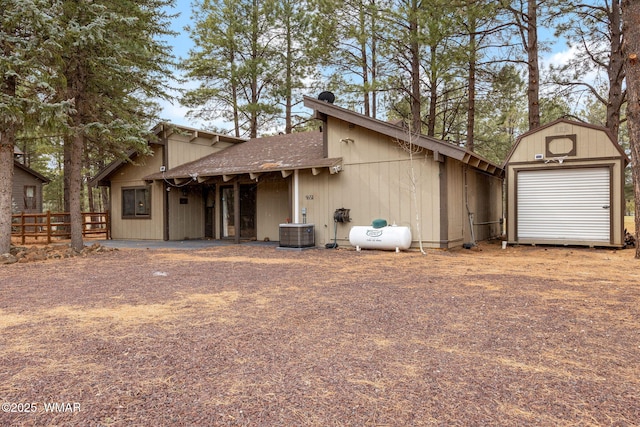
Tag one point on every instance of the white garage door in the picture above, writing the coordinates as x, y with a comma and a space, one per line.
567, 204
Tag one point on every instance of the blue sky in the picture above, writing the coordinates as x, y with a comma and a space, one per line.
181, 43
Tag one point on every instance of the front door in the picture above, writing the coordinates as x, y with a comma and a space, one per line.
209, 209
247, 220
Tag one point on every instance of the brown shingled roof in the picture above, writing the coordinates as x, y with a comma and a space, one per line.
302, 150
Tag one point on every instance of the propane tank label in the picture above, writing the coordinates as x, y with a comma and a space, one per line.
374, 233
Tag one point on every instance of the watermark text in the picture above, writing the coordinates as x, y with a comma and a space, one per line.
53, 407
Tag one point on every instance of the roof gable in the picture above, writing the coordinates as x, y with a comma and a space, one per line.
162, 132
288, 152
31, 172
438, 147
547, 126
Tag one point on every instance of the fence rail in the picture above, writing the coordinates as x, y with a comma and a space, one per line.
49, 225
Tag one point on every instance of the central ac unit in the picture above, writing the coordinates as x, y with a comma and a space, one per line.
297, 235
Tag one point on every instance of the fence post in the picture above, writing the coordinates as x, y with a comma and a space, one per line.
107, 220
48, 227
22, 227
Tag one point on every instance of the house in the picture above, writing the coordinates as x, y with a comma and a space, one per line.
26, 193
249, 188
565, 185
142, 209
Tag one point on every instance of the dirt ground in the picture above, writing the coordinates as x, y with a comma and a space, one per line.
256, 336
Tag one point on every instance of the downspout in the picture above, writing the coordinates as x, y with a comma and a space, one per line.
296, 197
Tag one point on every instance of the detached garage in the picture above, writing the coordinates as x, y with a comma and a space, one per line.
565, 186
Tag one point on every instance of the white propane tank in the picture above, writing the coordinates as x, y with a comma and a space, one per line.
390, 237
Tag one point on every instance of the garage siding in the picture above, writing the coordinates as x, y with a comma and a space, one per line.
564, 204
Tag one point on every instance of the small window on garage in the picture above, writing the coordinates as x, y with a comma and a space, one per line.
136, 202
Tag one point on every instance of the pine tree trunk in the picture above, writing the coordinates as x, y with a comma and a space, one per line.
615, 70
6, 187
66, 168
533, 93
288, 109
433, 95
90, 199
471, 112
104, 198
7, 142
364, 61
75, 191
631, 52
416, 102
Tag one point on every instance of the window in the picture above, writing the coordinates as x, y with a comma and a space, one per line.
136, 202
30, 197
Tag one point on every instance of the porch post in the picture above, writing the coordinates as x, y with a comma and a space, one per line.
296, 197
236, 210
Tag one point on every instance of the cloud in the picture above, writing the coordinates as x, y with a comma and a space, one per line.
177, 114
561, 58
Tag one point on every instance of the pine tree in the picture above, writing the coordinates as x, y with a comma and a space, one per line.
233, 60
502, 114
352, 34
112, 65
525, 21
27, 39
594, 31
631, 52
297, 57
479, 25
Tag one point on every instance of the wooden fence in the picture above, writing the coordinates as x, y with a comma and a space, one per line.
49, 225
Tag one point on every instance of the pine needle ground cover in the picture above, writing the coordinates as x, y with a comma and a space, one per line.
253, 336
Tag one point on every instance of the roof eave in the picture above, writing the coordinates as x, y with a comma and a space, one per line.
164, 129
334, 165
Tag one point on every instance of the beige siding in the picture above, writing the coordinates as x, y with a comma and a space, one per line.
375, 182
367, 146
151, 228
314, 196
131, 176
470, 191
484, 197
458, 226
590, 143
182, 149
186, 220
272, 206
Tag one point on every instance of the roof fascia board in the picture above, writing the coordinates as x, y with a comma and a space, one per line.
193, 133
254, 173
